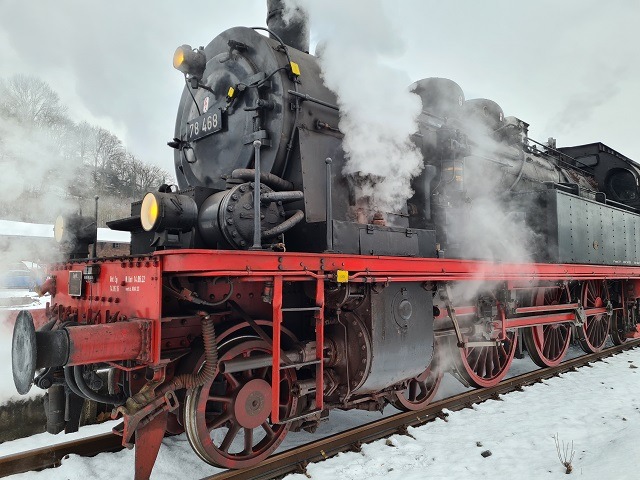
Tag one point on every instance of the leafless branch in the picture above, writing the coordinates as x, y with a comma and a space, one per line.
565, 453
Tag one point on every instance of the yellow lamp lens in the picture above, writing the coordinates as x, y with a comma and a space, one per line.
178, 57
149, 212
58, 229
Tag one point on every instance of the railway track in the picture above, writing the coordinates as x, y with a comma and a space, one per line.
295, 460
51, 456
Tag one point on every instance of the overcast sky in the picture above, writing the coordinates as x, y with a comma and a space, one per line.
570, 68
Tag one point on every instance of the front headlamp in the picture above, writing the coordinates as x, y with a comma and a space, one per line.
162, 211
74, 229
74, 233
178, 58
149, 212
190, 61
58, 229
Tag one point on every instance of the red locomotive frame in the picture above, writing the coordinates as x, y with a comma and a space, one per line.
119, 309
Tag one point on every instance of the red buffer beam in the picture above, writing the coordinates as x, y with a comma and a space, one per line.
110, 342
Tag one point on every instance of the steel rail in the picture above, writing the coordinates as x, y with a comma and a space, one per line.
52, 455
296, 459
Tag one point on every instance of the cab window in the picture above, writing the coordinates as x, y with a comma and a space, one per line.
622, 186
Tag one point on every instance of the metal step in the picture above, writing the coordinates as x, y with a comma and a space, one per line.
493, 343
301, 309
300, 365
299, 417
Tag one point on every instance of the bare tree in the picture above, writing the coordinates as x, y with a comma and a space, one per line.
106, 148
83, 143
45, 151
30, 101
150, 177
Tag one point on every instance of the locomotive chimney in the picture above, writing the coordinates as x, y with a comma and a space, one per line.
293, 31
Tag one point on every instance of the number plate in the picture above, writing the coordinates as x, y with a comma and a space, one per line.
205, 124
75, 283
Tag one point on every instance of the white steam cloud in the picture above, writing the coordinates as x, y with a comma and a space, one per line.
378, 113
585, 102
35, 183
7, 388
492, 226
29, 158
36, 178
35, 158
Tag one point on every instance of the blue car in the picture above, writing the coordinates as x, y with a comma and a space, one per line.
24, 279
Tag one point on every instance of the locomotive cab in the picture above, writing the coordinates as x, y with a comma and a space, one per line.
616, 175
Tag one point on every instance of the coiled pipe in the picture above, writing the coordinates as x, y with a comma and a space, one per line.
268, 179
284, 226
208, 371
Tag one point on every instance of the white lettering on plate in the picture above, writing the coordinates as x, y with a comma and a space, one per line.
135, 279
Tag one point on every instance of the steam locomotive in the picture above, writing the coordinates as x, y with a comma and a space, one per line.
265, 289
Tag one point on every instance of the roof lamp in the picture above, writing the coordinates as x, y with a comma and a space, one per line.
189, 61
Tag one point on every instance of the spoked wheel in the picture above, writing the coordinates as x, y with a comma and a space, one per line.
419, 392
484, 366
228, 421
619, 320
548, 344
592, 335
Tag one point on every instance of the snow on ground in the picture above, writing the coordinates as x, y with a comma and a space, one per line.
597, 408
22, 299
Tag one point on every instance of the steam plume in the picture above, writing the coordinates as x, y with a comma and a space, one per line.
40, 177
377, 112
34, 172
